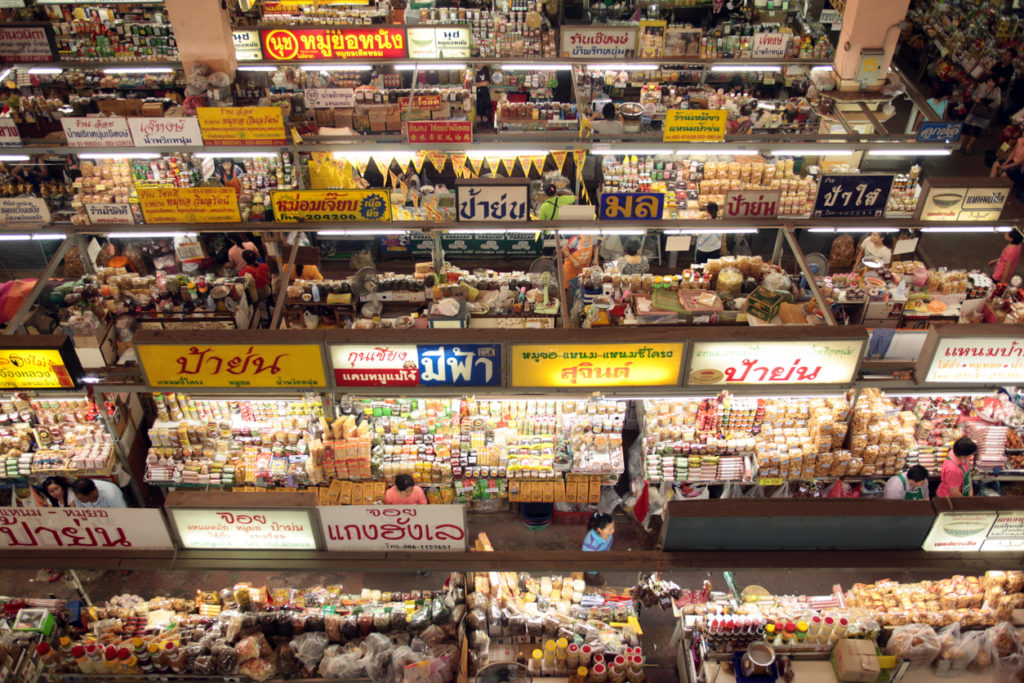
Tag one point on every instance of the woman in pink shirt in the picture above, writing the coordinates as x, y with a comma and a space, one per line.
405, 492
956, 470
1007, 261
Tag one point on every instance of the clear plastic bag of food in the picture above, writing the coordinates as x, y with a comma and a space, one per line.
477, 601
915, 643
477, 620
287, 663
439, 611
479, 641
249, 648
227, 660
309, 648
432, 635
419, 620
343, 666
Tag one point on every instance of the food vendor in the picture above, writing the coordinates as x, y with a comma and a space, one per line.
956, 470
600, 532
874, 247
1007, 261
230, 174
909, 485
260, 273
405, 492
97, 493
633, 262
238, 245
609, 123
578, 256
548, 210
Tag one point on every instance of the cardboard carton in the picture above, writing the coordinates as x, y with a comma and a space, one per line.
856, 661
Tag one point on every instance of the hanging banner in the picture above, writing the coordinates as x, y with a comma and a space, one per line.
560, 157
110, 214
329, 98
247, 46
117, 529
24, 210
596, 365
230, 366
95, 131
788, 362
9, 135
487, 244
157, 132
600, 42
244, 529
300, 206
415, 365
694, 125
770, 45
25, 44
849, 196
299, 44
438, 42
538, 161
439, 131
411, 528
241, 125
459, 163
437, 159
751, 203
189, 204
626, 206
487, 200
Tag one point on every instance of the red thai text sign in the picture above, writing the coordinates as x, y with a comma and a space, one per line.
394, 527
440, 131
343, 43
120, 528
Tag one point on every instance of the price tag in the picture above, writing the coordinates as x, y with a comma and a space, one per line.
770, 481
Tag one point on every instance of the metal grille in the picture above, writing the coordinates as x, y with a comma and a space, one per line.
22, 256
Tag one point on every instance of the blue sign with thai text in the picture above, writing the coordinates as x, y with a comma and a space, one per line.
459, 365
626, 206
940, 131
849, 196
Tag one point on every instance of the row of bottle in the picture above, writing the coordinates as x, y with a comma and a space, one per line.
728, 633
93, 658
583, 665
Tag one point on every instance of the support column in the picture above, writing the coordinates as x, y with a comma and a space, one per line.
203, 32
868, 25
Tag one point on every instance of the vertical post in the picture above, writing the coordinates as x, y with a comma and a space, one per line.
119, 449
560, 260
812, 283
286, 275
203, 33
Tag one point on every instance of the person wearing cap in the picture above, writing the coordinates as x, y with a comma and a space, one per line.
909, 485
956, 470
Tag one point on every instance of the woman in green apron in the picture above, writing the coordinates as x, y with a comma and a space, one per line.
909, 485
956, 470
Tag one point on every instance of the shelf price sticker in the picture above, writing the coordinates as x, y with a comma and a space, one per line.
770, 481
223, 126
232, 365
694, 125
313, 206
189, 204
301, 44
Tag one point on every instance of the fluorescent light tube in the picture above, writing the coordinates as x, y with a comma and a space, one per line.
45, 70
601, 231
539, 66
827, 67
965, 228
682, 151
123, 155
481, 153
15, 157
139, 70
746, 67
714, 231
713, 151
357, 232
910, 152
623, 67
142, 235
335, 67
488, 231
235, 155
6, 72
428, 66
14, 238
811, 151
867, 230
49, 236
265, 69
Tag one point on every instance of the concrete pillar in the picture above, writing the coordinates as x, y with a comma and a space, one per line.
203, 32
868, 25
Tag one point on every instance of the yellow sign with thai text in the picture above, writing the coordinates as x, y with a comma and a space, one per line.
312, 206
185, 366
241, 125
189, 204
33, 369
596, 365
694, 125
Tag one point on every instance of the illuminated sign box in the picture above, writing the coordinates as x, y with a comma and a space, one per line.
116, 529
972, 354
222, 520
1001, 531
228, 366
39, 362
409, 528
596, 365
829, 361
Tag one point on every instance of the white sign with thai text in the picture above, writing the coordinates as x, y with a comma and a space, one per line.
769, 45
244, 529
789, 362
438, 42
110, 214
329, 98
24, 210
415, 528
117, 529
156, 132
977, 360
247, 46
976, 532
9, 135
95, 131
606, 42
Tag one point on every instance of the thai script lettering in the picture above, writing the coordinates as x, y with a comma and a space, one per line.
751, 204
456, 366
478, 206
796, 372
1014, 349
203, 361
588, 371
624, 206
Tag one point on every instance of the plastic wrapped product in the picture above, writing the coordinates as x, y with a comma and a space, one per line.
258, 669
332, 626
476, 619
439, 611
344, 666
432, 635
249, 648
477, 601
287, 663
916, 643
309, 648
227, 660
479, 641
419, 620
268, 623
349, 628
285, 625
315, 622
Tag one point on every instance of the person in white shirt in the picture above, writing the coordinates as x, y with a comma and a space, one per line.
909, 485
873, 247
97, 493
609, 124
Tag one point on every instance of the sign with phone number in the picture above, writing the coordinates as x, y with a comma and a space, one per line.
347, 43
312, 206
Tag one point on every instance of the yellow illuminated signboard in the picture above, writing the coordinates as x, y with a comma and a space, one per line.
34, 369
232, 365
596, 365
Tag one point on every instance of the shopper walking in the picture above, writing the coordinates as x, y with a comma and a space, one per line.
97, 493
600, 531
956, 470
1007, 261
405, 492
985, 99
909, 485
55, 492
